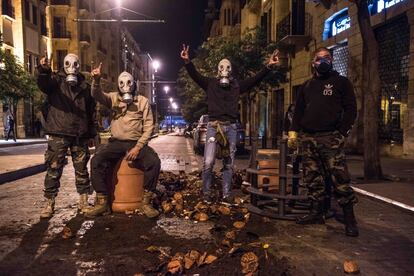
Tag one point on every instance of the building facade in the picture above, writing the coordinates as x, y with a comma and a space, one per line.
299, 27
34, 28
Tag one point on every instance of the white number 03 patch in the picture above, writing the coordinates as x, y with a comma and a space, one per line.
328, 90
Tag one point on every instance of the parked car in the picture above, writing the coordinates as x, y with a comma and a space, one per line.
200, 134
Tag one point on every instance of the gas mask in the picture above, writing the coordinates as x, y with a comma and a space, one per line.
71, 67
126, 87
324, 66
224, 72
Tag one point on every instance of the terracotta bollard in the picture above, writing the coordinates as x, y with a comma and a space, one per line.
128, 187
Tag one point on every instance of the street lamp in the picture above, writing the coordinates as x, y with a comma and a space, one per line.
174, 106
171, 100
156, 65
166, 89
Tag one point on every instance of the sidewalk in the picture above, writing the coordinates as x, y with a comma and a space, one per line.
21, 142
399, 183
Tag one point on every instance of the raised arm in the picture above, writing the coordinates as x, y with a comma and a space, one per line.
96, 89
45, 80
248, 84
192, 71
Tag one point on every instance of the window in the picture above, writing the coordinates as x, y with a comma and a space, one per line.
34, 14
27, 10
379, 5
59, 28
43, 29
336, 24
60, 57
7, 8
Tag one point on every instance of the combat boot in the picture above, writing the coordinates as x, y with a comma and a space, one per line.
49, 209
147, 207
83, 204
101, 207
315, 215
351, 228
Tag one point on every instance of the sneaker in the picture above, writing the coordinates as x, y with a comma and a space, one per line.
228, 201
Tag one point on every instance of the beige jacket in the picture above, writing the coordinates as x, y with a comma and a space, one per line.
133, 122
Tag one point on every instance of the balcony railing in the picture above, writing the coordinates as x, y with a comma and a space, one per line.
60, 2
85, 37
61, 34
285, 27
7, 9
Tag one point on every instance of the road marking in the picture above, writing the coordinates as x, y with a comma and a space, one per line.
385, 199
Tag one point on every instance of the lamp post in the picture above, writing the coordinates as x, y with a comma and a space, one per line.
166, 89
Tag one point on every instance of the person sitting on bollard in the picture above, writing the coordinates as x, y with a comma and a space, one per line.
131, 128
223, 94
69, 123
324, 114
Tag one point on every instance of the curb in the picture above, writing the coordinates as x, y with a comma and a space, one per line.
21, 173
22, 144
383, 199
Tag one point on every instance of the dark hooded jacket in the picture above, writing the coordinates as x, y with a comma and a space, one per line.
70, 111
325, 103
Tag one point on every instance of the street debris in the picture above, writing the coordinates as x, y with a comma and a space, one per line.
67, 233
351, 267
249, 263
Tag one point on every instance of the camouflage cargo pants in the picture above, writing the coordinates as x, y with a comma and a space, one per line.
324, 160
55, 155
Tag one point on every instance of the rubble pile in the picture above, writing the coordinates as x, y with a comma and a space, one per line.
179, 195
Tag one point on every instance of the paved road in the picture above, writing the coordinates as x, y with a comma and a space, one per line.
385, 246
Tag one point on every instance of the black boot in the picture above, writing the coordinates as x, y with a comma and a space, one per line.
315, 215
351, 228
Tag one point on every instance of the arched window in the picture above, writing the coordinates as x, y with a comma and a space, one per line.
336, 24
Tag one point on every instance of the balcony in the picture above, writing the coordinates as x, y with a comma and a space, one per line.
7, 9
61, 34
60, 2
85, 38
294, 32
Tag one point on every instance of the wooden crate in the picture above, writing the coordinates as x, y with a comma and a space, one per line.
268, 166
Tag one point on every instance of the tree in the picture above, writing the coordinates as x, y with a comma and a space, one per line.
371, 89
15, 82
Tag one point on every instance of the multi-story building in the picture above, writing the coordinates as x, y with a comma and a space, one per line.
33, 28
299, 27
227, 22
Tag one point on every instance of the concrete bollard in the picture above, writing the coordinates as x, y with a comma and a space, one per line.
128, 187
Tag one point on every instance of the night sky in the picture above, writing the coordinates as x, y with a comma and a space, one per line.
184, 24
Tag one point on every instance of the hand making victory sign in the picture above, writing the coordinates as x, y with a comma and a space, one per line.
274, 58
96, 72
184, 53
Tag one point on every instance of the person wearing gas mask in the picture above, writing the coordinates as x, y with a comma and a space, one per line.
223, 94
131, 128
69, 124
324, 114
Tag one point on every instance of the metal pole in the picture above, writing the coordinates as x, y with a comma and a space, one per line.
282, 176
